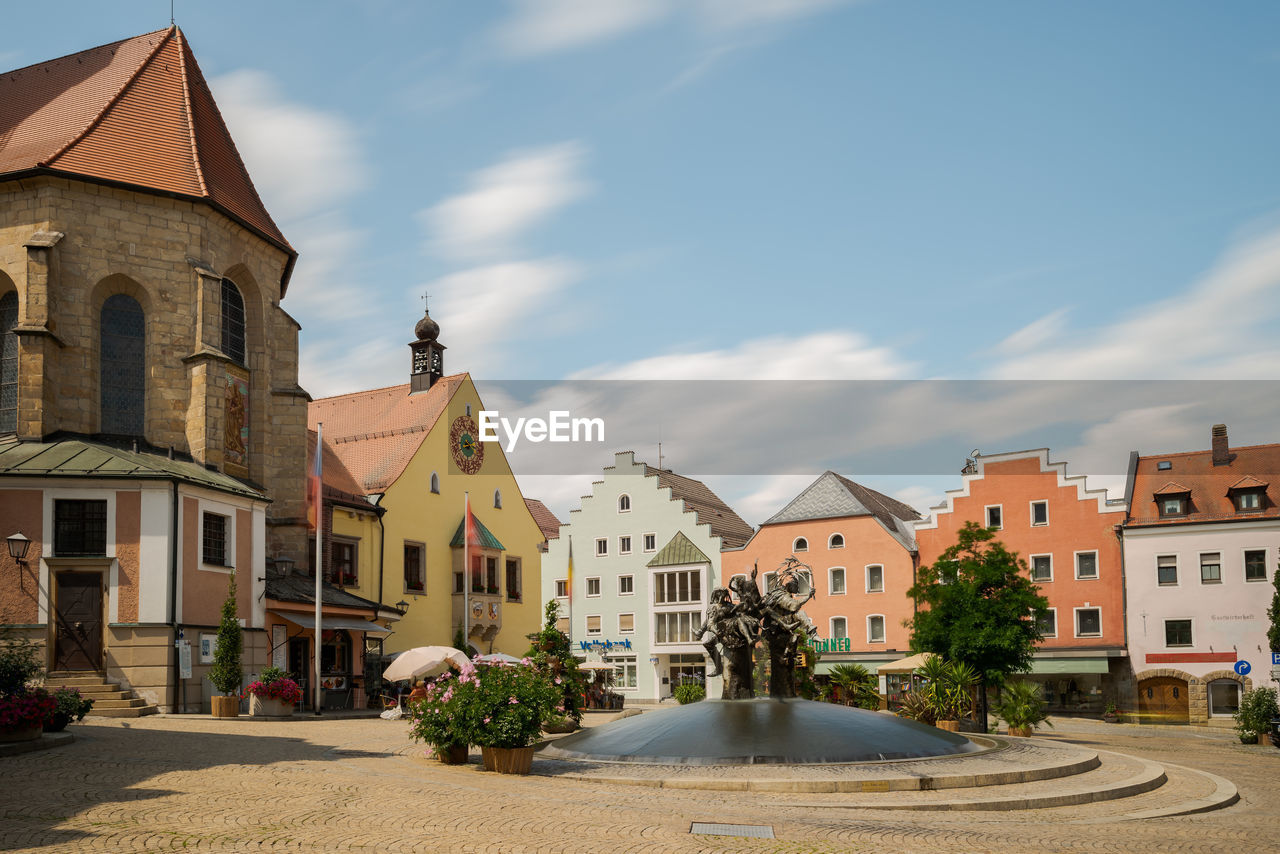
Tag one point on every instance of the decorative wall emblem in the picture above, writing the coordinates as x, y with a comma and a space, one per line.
236, 432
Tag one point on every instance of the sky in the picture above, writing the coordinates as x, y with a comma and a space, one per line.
927, 193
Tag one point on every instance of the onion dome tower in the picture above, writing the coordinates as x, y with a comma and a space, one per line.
428, 355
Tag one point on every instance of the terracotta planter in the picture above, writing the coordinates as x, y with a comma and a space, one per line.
949, 726
30, 733
453, 754
269, 707
1021, 731
226, 707
508, 760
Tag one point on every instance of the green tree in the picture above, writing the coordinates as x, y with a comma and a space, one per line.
552, 654
1273, 631
226, 674
980, 607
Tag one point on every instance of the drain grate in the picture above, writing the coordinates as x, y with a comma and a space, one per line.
759, 831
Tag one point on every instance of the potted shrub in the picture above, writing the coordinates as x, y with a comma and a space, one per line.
225, 674
1021, 706
273, 695
1109, 714
69, 706
511, 704
916, 707
444, 717
857, 686
23, 707
948, 690
552, 654
1257, 708
690, 692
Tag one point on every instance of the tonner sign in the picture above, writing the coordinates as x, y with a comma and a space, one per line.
831, 645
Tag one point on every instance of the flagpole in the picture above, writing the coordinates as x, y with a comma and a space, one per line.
570, 592
466, 568
318, 498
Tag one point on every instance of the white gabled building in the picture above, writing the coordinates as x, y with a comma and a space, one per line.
646, 554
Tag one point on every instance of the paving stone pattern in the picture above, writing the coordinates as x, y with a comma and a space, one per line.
165, 783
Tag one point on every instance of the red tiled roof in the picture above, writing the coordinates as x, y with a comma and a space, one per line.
546, 520
1208, 485
337, 481
136, 112
375, 433
732, 530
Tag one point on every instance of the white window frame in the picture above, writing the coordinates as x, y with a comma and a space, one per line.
587, 625
1075, 620
602, 541
1031, 567
622, 509
1266, 560
1054, 612
795, 548
884, 628
986, 516
644, 537
1031, 513
1219, 579
832, 627
229, 538
624, 544
831, 541
599, 587
1177, 571
831, 581
630, 592
866, 577
630, 631
1164, 631
565, 594
1097, 566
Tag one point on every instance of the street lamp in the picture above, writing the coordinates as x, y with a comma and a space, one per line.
18, 545
284, 565
402, 605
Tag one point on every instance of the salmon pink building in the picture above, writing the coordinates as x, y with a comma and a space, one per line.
1069, 536
1201, 544
859, 545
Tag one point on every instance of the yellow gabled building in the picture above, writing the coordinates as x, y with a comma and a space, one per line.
413, 452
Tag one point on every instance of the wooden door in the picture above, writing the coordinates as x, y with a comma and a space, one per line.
78, 623
1163, 699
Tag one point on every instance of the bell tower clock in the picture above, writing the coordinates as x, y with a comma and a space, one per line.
428, 355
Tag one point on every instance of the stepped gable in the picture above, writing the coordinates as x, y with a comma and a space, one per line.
135, 113
732, 530
832, 496
376, 433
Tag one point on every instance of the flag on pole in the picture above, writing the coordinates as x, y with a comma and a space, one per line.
313, 484
569, 582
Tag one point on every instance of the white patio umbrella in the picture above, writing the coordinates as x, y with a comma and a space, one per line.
423, 661
594, 665
497, 658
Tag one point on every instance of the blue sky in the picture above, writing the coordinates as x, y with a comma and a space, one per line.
730, 189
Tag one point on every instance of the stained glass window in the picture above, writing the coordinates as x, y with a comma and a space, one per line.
8, 363
123, 366
233, 322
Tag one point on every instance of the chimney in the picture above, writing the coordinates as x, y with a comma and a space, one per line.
1221, 456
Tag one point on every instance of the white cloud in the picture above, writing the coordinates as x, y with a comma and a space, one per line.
1033, 334
505, 200
486, 310
741, 13
820, 355
300, 158
1222, 327
545, 26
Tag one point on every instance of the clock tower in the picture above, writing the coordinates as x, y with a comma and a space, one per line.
428, 355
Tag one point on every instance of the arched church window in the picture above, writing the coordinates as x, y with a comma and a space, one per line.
122, 362
8, 363
233, 322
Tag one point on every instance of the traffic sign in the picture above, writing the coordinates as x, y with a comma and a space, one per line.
1243, 668
1275, 658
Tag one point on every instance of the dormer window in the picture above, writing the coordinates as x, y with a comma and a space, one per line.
1173, 506
1247, 501
1248, 494
1173, 499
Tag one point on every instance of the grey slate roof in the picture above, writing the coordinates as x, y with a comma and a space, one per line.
833, 497
302, 588
80, 458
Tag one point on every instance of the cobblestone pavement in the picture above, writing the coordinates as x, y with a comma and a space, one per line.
359, 785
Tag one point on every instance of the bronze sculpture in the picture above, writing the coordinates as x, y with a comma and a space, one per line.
776, 617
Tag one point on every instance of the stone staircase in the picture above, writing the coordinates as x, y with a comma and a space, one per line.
109, 700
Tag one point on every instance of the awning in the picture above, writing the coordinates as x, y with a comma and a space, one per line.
1066, 666
906, 665
351, 624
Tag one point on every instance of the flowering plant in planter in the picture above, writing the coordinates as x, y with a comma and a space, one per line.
446, 716
275, 684
69, 706
26, 710
512, 702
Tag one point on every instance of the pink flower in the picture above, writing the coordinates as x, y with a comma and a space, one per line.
513, 701
486, 720
558, 680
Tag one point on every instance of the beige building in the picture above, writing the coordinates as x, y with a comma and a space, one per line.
152, 430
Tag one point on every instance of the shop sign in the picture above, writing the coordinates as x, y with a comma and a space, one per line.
598, 645
831, 644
